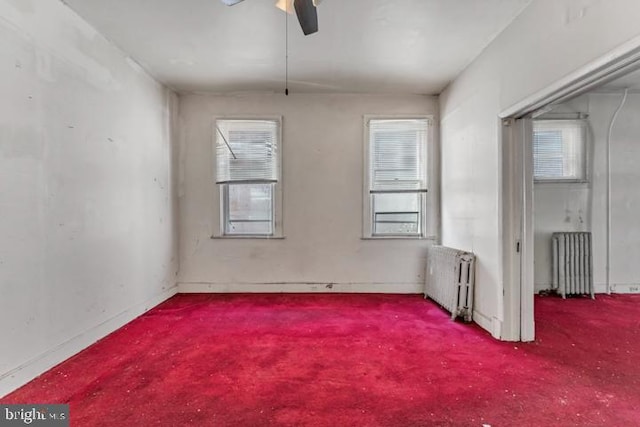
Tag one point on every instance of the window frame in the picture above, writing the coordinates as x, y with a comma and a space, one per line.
429, 219
219, 190
584, 158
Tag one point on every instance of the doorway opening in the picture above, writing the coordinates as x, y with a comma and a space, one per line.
568, 166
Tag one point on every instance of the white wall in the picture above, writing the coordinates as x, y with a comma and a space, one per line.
549, 40
625, 182
87, 233
582, 207
322, 193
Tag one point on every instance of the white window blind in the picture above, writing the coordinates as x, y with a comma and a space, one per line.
246, 151
559, 150
397, 155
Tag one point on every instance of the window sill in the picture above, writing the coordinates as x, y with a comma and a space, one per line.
429, 238
560, 181
245, 237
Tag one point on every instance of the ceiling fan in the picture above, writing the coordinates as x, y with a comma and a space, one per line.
305, 10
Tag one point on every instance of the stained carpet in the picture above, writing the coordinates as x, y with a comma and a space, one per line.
351, 360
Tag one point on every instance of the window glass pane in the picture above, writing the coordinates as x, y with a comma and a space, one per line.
396, 213
559, 150
249, 209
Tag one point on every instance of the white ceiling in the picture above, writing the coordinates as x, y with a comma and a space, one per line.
406, 46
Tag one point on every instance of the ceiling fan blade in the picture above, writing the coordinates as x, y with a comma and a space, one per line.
230, 2
307, 16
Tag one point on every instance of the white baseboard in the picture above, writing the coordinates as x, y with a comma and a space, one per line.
370, 288
626, 288
601, 288
26, 372
493, 325
541, 287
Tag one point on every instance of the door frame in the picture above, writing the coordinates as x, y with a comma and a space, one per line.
517, 180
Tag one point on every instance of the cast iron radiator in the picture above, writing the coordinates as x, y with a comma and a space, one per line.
572, 263
449, 280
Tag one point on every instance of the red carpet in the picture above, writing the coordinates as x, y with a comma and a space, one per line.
351, 360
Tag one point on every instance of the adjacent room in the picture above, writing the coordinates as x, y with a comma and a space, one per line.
320, 212
585, 150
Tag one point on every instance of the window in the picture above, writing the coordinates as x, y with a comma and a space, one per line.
248, 176
559, 150
396, 178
